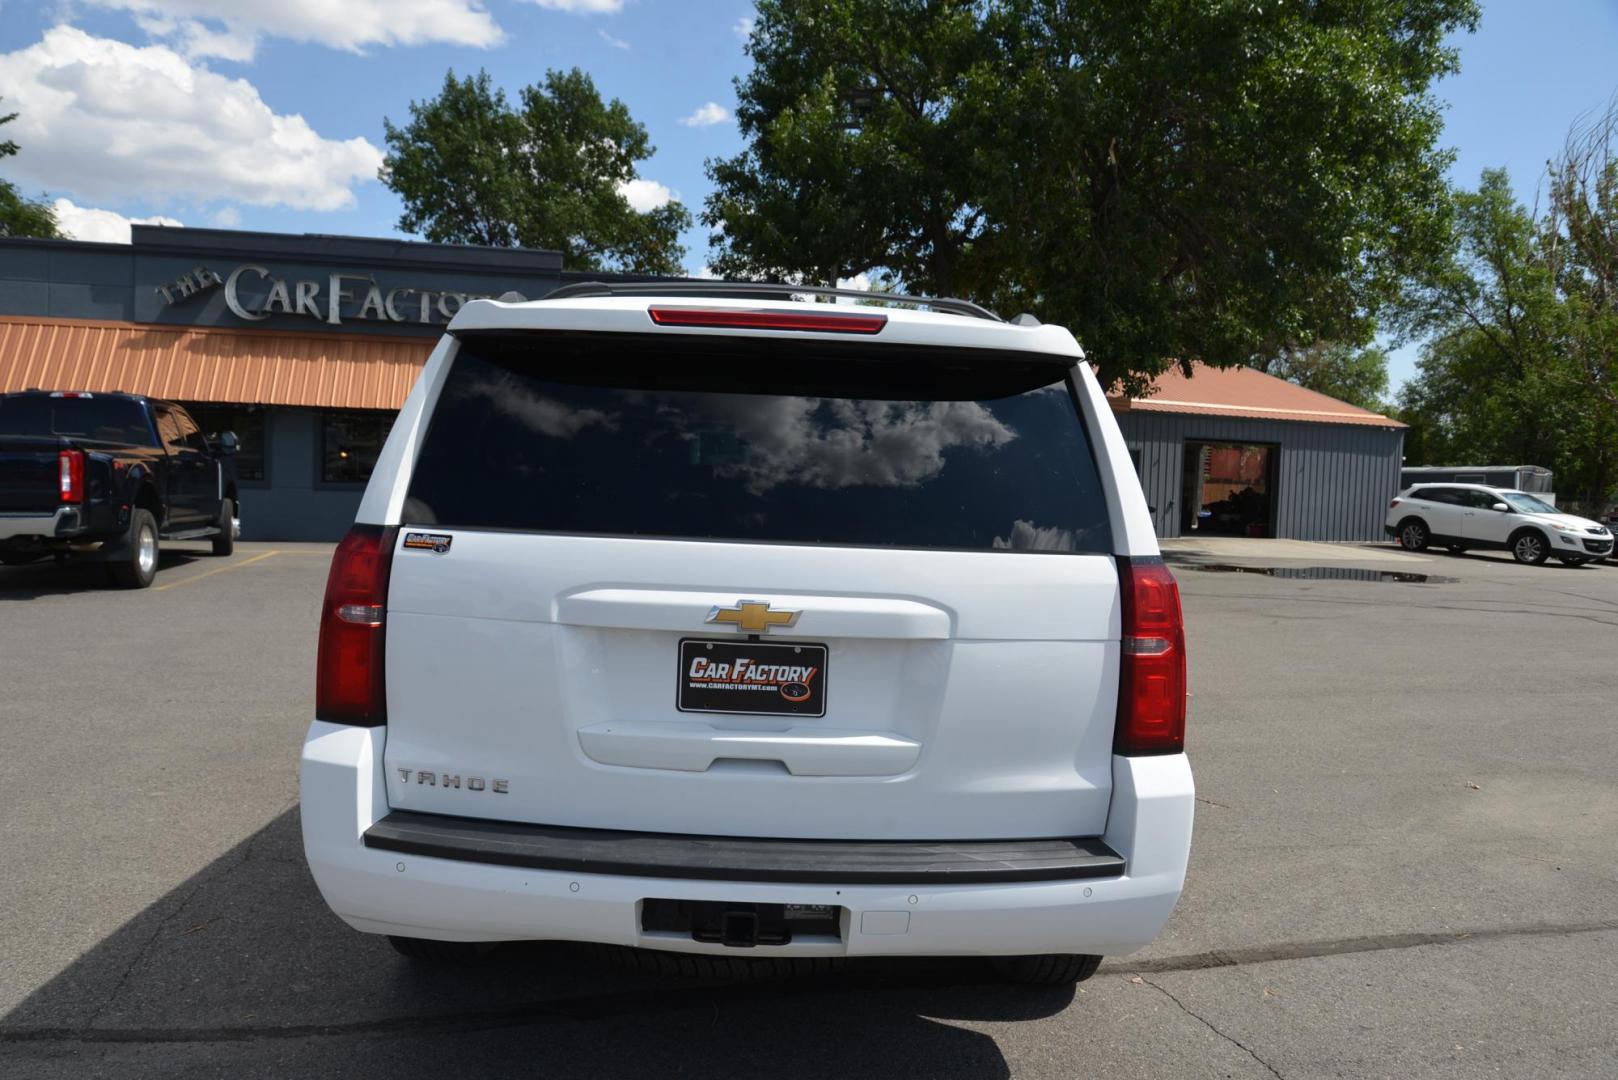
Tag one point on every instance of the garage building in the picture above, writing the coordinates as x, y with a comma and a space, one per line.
1236, 452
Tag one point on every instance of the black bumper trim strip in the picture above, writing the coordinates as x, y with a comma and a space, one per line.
732, 858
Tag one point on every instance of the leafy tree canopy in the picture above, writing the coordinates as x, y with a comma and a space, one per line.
1358, 376
20, 216
472, 168
1521, 366
1177, 180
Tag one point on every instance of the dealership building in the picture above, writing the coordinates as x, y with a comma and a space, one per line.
306, 346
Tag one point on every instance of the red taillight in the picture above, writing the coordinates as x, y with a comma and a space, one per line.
70, 475
745, 319
349, 686
1394, 503
1151, 684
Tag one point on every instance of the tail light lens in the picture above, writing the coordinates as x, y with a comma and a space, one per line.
1151, 683
349, 685
70, 474
1394, 503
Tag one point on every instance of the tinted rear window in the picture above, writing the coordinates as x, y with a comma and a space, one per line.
95, 419
777, 443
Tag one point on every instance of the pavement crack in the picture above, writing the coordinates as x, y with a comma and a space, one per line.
1205, 1022
1308, 950
166, 920
1211, 1027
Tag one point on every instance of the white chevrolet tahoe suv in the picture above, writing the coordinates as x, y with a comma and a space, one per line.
715, 622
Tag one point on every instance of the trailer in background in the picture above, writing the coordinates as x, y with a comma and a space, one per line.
1533, 479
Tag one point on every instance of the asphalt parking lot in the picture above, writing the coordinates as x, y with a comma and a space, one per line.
1403, 865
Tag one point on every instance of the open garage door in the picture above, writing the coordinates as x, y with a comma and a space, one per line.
1229, 489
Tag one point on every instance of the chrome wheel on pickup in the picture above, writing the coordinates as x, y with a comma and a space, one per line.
134, 564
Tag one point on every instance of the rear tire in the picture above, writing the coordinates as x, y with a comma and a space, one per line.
1414, 534
134, 566
1051, 969
1530, 547
225, 542
427, 951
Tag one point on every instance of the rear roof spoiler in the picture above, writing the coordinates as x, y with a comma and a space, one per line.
749, 290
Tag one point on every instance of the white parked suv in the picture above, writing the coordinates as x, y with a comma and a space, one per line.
711, 621
1462, 516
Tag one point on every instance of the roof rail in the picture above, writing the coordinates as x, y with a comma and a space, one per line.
761, 290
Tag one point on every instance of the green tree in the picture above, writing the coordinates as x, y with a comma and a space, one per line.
473, 169
1518, 364
1176, 180
1358, 376
20, 216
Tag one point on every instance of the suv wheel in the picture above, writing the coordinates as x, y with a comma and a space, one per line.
134, 565
225, 542
1051, 969
1529, 547
1413, 535
442, 952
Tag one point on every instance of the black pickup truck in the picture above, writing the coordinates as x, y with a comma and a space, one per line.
107, 477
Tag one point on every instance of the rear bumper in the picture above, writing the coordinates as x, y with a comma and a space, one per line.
384, 890
728, 858
66, 521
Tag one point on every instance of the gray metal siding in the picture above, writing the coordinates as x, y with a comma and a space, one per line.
1333, 481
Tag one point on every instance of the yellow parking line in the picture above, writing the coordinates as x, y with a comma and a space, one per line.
211, 573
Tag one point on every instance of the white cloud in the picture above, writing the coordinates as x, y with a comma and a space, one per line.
231, 31
744, 27
107, 121
707, 273
101, 226
227, 217
583, 7
860, 281
831, 443
615, 42
646, 195
707, 115
1026, 536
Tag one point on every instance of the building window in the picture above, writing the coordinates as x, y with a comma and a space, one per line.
247, 421
350, 443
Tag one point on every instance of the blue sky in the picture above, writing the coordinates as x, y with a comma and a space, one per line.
270, 116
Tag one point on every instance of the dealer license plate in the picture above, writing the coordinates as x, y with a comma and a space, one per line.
752, 677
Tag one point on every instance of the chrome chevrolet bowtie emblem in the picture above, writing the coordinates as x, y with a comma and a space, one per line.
752, 616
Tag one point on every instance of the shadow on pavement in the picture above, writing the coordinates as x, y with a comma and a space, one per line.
50, 578
243, 965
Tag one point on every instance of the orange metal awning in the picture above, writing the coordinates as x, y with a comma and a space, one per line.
260, 367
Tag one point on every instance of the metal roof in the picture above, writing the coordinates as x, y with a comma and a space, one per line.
1248, 392
262, 367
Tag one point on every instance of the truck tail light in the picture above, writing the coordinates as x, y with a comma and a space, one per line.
757, 319
1151, 682
70, 474
349, 685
